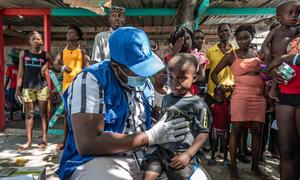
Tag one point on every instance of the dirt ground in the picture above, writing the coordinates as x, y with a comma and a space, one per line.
15, 135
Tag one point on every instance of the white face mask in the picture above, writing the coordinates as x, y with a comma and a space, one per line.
134, 81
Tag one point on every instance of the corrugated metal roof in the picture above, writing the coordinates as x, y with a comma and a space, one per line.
213, 20
245, 3
99, 21
209, 23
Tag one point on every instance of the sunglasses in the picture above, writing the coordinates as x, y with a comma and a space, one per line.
117, 9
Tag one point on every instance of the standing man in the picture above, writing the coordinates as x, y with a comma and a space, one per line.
11, 74
101, 47
109, 109
215, 55
70, 62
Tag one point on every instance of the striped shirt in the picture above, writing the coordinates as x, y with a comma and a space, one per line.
86, 96
85, 100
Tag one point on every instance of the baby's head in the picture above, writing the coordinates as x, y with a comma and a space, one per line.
287, 13
182, 69
219, 95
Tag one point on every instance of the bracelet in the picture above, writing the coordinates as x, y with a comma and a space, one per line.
63, 68
294, 62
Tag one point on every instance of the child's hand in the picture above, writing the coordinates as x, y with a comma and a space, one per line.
156, 112
180, 161
272, 94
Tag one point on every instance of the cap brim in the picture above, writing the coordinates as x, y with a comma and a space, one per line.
148, 67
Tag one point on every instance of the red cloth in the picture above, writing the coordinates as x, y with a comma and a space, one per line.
220, 114
293, 87
12, 73
168, 58
195, 89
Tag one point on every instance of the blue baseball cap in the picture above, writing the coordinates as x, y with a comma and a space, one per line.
130, 46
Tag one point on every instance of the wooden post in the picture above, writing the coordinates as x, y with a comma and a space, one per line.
47, 47
185, 13
47, 33
2, 69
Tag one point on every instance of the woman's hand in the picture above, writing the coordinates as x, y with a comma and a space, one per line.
277, 76
176, 48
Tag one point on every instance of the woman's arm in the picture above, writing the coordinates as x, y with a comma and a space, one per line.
227, 60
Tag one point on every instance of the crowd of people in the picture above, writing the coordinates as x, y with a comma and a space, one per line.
130, 114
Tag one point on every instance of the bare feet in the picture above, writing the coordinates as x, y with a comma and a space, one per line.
24, 146
60, 147
234, 174
43, 146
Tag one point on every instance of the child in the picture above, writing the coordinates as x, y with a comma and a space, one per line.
248, 103
32, 86
11, 79
177, 159
160, 90
199, 87
220, 125
275, 45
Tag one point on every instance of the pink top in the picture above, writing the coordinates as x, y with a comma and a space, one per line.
252, 85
